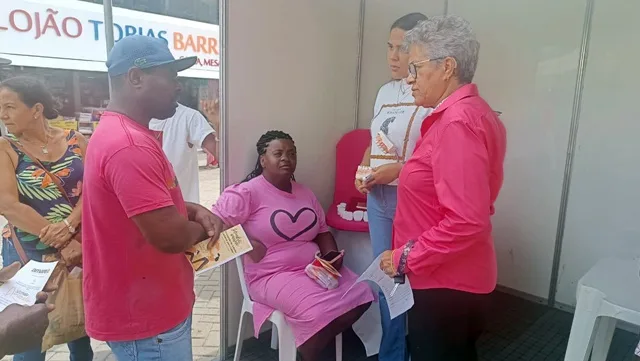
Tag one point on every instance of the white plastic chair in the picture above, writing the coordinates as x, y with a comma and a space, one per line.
281, 336
609, 292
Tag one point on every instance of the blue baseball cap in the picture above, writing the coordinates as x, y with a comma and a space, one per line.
144, 52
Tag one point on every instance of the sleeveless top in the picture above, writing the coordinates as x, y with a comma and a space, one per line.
38, 191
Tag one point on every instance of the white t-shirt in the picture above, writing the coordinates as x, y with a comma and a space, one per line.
182, 135
395, 127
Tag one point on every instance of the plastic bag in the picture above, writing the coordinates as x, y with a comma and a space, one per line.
323, 272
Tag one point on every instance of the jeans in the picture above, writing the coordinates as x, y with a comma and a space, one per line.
173, 345
381, 208
79, 349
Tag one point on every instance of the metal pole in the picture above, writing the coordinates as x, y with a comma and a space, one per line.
356, 112
108, 29
225, 179
571, 148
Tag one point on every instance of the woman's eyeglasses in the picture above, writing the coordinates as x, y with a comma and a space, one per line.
413, 67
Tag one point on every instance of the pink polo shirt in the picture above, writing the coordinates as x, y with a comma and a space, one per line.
132, 291
446, 194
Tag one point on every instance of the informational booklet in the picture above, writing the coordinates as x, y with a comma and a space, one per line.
25, 285
402, 299
233, 243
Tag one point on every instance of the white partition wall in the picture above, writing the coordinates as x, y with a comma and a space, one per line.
602, 215
378, 17
289, 65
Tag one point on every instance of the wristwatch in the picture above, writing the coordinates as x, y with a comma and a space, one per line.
71, 228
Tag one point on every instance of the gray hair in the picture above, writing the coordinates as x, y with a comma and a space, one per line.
447, 36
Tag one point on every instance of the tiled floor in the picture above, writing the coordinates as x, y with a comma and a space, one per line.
518, 330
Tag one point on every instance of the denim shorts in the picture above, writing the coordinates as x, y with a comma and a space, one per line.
173, 345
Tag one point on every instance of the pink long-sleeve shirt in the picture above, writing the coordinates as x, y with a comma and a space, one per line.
446, 194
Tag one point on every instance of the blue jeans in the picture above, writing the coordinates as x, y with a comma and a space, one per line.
173, 345
381, 208
80, 349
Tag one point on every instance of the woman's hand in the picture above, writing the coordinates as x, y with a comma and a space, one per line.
384, 174
386, 264
259, 251
359, 184
55, 235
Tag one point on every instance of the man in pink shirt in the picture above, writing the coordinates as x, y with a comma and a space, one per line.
138, 284
442, 228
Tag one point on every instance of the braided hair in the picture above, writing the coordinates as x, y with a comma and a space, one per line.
261, 147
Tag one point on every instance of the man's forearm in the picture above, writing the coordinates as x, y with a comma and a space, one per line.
210, 143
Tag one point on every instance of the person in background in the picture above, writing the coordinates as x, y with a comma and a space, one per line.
182, 135
22, 327
286, 226
447, 189
138, 283
395, 129
211, 109
42, 219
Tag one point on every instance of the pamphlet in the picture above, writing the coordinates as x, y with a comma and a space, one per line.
233, 243
22, 288
402, 299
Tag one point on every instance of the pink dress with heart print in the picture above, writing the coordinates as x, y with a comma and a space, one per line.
287, 224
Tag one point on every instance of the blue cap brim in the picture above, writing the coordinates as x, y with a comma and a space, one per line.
183, 64
177, 65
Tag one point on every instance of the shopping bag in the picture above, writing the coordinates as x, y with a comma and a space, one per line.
66, 321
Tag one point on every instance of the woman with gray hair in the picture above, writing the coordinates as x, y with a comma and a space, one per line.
442, 228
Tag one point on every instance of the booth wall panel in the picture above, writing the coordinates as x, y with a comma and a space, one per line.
529, 54
602, 213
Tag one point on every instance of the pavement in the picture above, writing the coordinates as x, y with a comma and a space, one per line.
206, 311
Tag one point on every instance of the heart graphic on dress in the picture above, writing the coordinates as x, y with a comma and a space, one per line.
292, 220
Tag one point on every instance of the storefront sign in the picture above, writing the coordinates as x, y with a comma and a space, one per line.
75, 31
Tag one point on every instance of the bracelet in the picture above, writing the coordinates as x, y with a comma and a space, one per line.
71, 229
402, 266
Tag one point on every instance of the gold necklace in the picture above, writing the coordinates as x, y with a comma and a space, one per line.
44, 148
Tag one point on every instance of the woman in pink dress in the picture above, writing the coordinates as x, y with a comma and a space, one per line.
287, 227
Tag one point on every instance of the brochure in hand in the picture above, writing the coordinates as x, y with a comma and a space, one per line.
233, 243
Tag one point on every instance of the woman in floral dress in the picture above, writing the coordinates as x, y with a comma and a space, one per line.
42, 218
